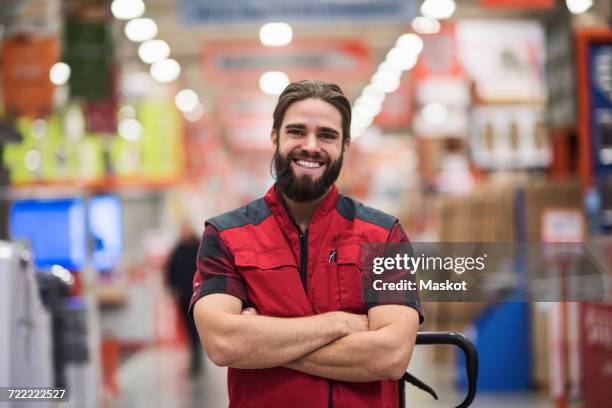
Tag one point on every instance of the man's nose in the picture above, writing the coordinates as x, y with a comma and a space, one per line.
311, 143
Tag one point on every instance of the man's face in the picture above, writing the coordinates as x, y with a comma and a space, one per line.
308, 150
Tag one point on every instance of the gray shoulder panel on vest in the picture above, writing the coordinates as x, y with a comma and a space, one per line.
351, 209
252, 213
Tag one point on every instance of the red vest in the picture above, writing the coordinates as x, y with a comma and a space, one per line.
274, 257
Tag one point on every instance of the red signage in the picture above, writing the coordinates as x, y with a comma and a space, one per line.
26, 61
397, 108
332, 60
520, 4
439, 57
597, 354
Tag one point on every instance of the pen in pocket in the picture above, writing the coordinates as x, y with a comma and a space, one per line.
332, 256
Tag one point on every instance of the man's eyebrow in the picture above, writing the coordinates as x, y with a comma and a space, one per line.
295, 126
329, 130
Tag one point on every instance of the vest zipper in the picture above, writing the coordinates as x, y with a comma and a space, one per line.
304, 258
304, 276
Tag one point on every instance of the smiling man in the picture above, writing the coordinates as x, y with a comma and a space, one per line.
278, 293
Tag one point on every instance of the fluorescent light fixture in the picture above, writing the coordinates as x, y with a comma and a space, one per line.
195, 114
140, 29
130, 129
275, 34
386, 66
273, 82
372, 104
435, 113
578, 6
438, 9
127, 9
400, 59
186, 100
410, 43
369, 90
385, 82
59, 73
362, 121
153, 50
425, 25
166, 70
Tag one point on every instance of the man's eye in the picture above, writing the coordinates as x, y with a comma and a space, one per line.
294, 131
328, 136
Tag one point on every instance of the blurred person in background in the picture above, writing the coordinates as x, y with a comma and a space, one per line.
278, 296
180, 269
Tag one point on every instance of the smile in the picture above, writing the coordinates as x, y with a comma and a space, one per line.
308, 164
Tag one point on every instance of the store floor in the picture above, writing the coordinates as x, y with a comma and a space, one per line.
159, 378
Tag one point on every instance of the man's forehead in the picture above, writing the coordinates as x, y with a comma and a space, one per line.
313, 112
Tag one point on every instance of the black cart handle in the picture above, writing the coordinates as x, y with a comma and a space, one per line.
469, 350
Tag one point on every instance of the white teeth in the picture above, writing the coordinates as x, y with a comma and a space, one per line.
308, 164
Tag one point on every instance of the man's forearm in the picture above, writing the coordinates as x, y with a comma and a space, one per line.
358, 357
262, 342
381, 353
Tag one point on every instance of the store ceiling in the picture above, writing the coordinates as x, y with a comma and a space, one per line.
187, 43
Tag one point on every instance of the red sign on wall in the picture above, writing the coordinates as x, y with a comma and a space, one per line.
520, 4
333, 60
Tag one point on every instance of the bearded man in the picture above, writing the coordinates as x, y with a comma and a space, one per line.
278, 294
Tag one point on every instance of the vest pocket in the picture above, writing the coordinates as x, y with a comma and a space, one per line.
273, 282
350, 285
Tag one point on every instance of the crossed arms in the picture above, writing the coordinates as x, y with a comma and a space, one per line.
335, 345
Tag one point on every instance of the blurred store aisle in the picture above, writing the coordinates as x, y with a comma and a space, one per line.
159, 378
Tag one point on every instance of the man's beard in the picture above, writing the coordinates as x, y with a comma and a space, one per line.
304, 188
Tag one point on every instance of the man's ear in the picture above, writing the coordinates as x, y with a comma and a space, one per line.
347, 145
274, 137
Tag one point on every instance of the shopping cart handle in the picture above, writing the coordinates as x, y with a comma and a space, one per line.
470, 352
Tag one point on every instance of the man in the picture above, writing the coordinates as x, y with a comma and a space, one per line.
179, 276
278, 295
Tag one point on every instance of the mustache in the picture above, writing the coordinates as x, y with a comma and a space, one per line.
306, 155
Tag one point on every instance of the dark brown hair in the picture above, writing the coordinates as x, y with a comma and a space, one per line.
309, 88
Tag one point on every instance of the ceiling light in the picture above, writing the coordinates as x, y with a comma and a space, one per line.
386, 66
275, 34
362, 121
435, 113
369, 90
578, 6
153, 50
59, 73
438, 9
186, 100
166, 70
410, 43
140, 29
195, 114
273, 82
400, 59
127, 9
373, 105
385, 82
425, 25
130, 129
